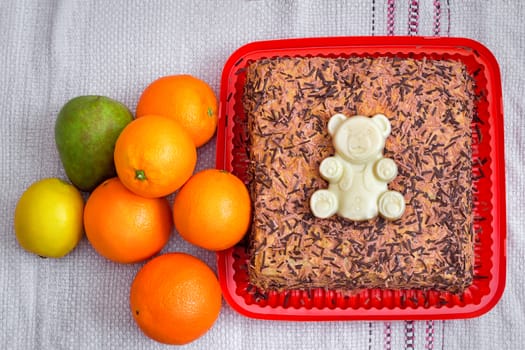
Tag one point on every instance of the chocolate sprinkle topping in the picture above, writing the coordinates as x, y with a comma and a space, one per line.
430, 104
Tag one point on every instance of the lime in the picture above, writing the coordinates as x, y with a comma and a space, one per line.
48, 218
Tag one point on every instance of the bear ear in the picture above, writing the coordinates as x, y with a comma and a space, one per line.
383, 123
335, 122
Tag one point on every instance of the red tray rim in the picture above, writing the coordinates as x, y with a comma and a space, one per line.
411, 44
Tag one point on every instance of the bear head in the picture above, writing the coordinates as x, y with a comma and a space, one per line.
359, 139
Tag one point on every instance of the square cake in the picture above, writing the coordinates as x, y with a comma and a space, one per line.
430, 104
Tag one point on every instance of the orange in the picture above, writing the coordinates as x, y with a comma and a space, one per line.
154, 156
175, 298
185, 98
125, 227
212, 210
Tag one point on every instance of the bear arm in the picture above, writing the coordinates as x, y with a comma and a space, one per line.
331, 169
385, 169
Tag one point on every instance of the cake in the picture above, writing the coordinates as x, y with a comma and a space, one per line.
430, 104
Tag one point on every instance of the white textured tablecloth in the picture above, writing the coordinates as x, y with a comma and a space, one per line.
51, 51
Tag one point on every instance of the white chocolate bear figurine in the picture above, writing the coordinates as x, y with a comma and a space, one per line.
358, 173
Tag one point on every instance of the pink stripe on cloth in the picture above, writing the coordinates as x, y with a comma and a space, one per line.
387, 336
390, 17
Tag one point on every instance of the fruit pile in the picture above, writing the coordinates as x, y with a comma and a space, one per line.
128, 167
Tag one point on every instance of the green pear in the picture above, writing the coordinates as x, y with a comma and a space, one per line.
86, 130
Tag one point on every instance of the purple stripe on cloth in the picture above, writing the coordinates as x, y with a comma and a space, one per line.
387, 336
409, 335
442, 335
369, 335
437, 17
390, 17
413, 17
429, 335
448, 17
373, 17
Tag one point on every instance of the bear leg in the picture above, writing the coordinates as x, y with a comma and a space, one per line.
324, 203
391, 205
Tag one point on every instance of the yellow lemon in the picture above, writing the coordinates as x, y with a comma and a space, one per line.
48, 218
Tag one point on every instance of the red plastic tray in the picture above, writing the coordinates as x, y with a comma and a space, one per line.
488, 191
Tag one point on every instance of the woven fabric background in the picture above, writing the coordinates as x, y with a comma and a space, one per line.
53, 50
